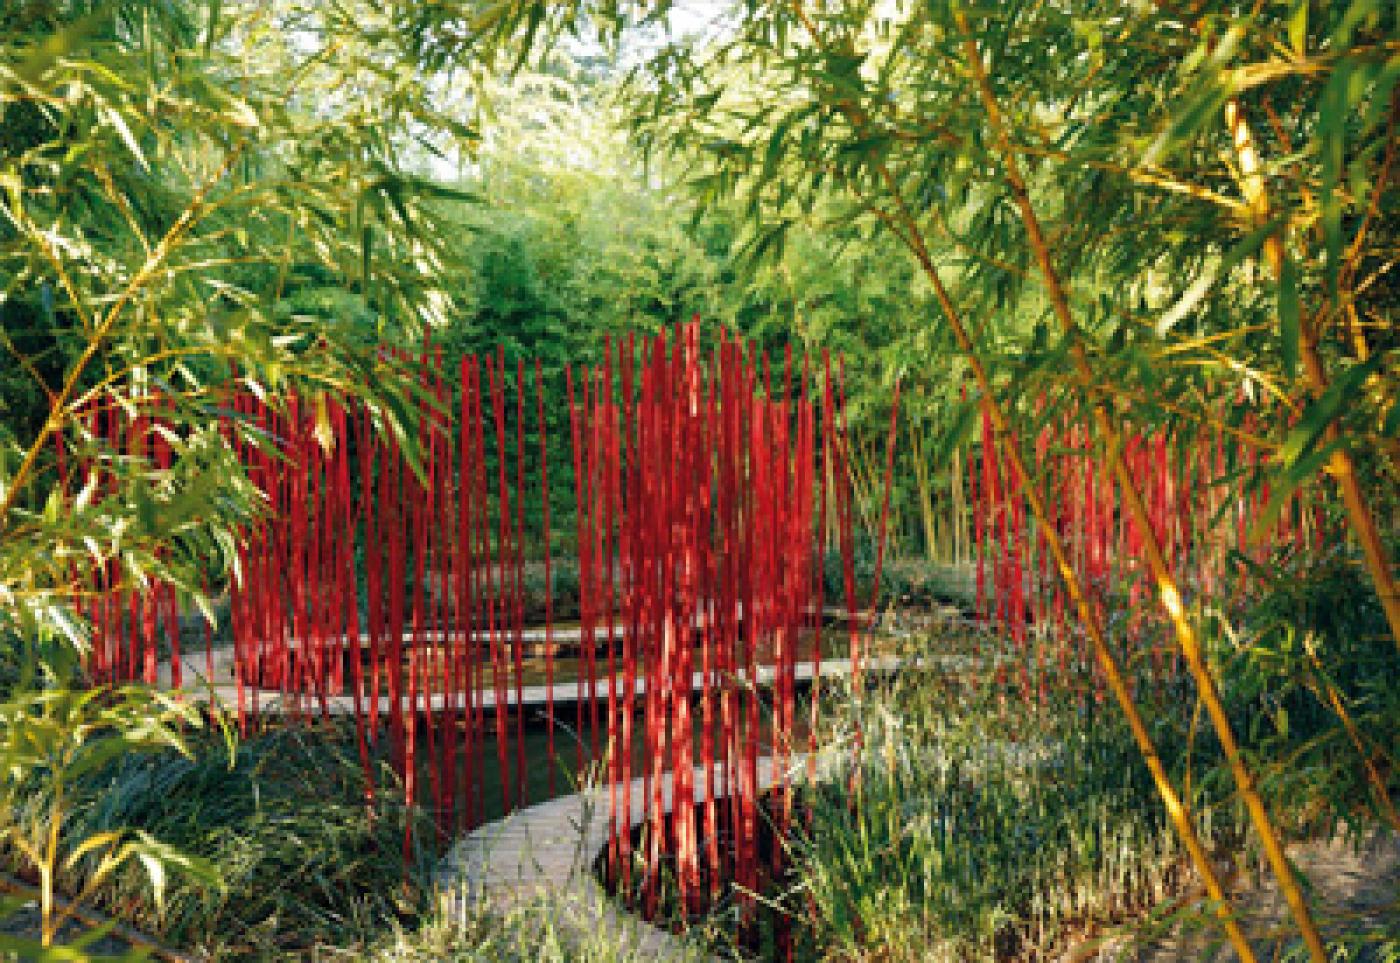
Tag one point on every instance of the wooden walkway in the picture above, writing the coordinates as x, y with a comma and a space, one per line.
544, 856
196, 684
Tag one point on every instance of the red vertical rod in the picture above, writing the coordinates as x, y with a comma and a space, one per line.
484, 604
581, 544
630, 512
548, 577
707, 527
466, 564
593, 406
496, 598
429, 638
374, 589
608, 495
658, 680
349, 598
390, 503
752, 517
819, 613
683, 774
416, 491
519, 587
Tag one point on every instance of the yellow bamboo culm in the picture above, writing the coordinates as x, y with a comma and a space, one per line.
1339, 465
1167, 591
1178, 810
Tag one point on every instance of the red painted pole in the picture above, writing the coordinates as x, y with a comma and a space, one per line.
548, 577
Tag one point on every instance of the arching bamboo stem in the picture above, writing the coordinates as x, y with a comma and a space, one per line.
1167, 590
1178, 810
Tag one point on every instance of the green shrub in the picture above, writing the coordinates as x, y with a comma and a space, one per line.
301, 863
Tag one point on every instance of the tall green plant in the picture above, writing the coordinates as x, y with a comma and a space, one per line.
188, 194
52, 738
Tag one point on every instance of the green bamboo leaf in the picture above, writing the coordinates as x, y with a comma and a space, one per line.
1288, 315
1323, 411
1391, 426
118, 123
1212, 273
1283, 485
1331, 135
1298, 27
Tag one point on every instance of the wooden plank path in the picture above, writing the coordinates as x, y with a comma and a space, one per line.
198, 688
544, 856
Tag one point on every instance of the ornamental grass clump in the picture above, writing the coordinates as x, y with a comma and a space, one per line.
968, 826
302, 862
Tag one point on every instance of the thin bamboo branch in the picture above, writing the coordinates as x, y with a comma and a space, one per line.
58, 406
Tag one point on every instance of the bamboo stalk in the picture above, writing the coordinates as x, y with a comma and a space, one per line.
1168, 592
1177, 811
1339, 464
548, 577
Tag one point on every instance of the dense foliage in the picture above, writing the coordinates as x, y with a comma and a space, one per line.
1143, 219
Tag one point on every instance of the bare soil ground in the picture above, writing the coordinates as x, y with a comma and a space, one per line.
1354, 892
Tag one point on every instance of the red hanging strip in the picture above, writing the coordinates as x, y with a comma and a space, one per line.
706, 525
683, 768
819, 609
348, 596
296, 524
428, 554
484, 602
642, 576
374, 589
727, 589
268, 591
781, 559
658, 674
618, 821
628, 535
753, 517
414, 493
321, 609
593, 403
391, 503
581, 555
1040, 613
